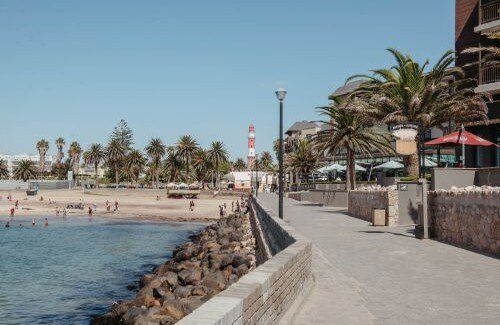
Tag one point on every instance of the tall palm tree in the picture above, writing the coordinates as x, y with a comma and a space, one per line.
217, 154
349, 133
115, 153
266, 161
94, 156
75, 152
25, 170
303, 159
156, 150
134, 164
239, 165
60, 143
4, 170
408, 93
201, 165
42, 146
173, 164
186, 148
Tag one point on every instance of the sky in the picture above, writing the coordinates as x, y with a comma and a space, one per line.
207, 68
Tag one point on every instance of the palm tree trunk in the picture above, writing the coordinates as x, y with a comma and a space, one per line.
116, 175
350, 171
353, 171
217, 175
95, 169
187, 169
411, 165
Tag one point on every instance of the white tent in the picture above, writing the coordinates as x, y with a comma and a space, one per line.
171, 185
357, 167
334, 167
391, 164
183, 186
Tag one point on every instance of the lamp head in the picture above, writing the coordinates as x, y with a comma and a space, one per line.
281, 94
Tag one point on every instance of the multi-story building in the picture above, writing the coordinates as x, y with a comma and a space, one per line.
476, 24
299, 131
13, 160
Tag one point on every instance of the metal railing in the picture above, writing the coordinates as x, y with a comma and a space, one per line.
489, 75
489, 12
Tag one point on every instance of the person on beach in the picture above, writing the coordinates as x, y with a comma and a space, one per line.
33, 222
12, 210
64, 213
90, 212
17, 204
94, 207
57, 211
232, 206
116, 205
237, 206
46, 224
221, 211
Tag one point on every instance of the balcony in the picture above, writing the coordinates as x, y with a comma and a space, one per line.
489, 17
489, 80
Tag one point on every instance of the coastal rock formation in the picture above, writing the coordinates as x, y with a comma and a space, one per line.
214, 259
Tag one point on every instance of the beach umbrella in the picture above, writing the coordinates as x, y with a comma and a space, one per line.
183, 185
334, 167
171, 185
391, 164
357, 168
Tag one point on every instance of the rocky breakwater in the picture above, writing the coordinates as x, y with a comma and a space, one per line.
213, 260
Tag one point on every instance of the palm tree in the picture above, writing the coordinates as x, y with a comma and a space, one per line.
407, 93
186, 148
303, 159
349, 133
4, 170
156, 150
134, 164
217, 154
42, 146
239, 165
25, 170
173, 164
201, 165
116, 154
60, 145
74, 152
94, 156
266, 161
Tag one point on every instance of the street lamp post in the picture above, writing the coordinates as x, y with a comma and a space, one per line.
256, 175
280, 94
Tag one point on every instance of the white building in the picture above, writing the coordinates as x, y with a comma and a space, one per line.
13, 160
245, 180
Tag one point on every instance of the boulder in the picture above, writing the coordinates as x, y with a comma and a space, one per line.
190, 304
199, 291
173, 309
170, 279
183, 292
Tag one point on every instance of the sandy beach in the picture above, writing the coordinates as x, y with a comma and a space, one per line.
133, 204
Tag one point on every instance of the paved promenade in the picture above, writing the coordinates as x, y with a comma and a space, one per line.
381, 275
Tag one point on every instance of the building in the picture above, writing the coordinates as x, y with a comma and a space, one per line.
251, 147
476, 21
299, 131
13, 160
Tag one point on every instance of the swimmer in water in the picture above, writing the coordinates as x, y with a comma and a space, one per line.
7, 225
33, 222
46, 224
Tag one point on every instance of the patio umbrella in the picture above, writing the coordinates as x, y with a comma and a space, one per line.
461, 137
357, 167
333, 167
391, 164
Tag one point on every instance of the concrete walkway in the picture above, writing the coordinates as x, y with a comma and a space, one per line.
382, 275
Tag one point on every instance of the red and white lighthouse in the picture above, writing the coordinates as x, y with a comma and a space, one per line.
251, 147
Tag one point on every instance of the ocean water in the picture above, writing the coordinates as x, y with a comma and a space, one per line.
76, 268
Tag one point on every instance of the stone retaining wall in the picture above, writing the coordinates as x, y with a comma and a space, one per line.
263, 296
470, 219
362, 202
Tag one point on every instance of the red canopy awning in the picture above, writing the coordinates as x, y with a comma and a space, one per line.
458, 138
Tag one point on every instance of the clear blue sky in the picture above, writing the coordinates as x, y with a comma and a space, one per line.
206, 68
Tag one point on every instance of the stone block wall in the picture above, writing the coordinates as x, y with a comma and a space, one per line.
265, 295
361, 204
470, 219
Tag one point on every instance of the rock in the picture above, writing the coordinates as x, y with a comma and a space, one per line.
190, 304
173, 309
241, 270
132, 287
183, 292
170, 279
133, 314
214, 281
199, 291
239, 260
160, 292
146, 279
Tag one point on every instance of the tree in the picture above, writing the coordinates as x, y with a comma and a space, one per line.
349, 133
186, 148
156, 150
124, 135
42, 146
115, 154
94, 157
4, 170
25, 170
239, 165
266, 161
217, 154
201, 165
304, 159
60, 143
407, 93
74, 152
173, 164
134, 165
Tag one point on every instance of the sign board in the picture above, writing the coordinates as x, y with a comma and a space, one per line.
405, 135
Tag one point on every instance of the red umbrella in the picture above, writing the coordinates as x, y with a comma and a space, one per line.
459, 138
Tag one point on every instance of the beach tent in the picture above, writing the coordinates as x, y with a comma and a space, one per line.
357, 167
183, 186
322, 170
334, 167
171, 185
194, 186
391, 164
